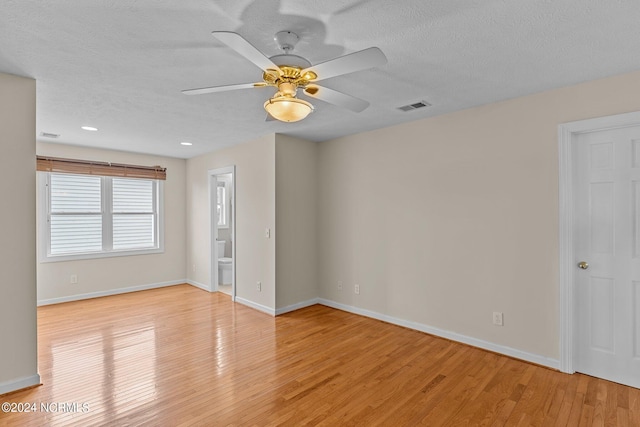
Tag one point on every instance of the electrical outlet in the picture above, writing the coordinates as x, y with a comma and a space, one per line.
193, 268
259, 286
357, 289
267, 233
498, 318
339, 285
73, 279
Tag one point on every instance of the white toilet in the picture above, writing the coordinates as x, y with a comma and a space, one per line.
225, 265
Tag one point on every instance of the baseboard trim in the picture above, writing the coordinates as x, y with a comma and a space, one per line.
453, 336
259, 307
297, 306
198, 285
19, 384
475, 342
109, 292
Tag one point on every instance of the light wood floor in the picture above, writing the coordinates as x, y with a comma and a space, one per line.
182, 356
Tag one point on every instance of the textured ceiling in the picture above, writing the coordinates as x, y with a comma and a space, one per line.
119, 65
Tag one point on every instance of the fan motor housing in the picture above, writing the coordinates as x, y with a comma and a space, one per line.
288, 74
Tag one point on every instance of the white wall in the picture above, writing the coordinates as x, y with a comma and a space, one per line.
105, 275
296, 220
255, 211
18, 342
445, 220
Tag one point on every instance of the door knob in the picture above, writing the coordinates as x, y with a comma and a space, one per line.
583, 265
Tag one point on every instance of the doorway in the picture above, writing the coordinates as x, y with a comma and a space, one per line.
223, 226
600, 248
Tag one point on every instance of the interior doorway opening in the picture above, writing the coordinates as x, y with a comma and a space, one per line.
223, 226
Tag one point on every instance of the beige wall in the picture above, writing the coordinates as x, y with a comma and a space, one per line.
296, 220
444, 220
18, 342
109, 274
255, 211
440, 221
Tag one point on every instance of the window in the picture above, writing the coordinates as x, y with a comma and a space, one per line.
222, 203
87, 216
134, 214
221, 198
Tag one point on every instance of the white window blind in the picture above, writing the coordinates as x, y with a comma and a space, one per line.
133, 214
76, 214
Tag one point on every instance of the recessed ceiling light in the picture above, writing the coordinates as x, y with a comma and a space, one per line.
185, 143
89, 128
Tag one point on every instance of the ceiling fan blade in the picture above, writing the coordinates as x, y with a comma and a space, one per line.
336, 98
357, 61
356, 5
212, 89
238, 43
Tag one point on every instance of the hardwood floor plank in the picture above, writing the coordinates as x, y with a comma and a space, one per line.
182, 356
633, 406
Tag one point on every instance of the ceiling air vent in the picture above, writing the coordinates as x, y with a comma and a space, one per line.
414, 106
49, 135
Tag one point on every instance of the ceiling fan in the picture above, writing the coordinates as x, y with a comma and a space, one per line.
288, 73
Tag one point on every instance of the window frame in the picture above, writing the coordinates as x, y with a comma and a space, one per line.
44, 231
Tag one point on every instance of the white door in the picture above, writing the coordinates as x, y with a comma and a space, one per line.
607, 238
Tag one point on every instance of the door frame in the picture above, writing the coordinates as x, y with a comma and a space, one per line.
213, 253
567, 137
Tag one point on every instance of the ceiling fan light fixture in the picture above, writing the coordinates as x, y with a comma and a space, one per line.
289, 72
287, 108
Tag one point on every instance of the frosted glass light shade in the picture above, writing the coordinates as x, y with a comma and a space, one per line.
287, 108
